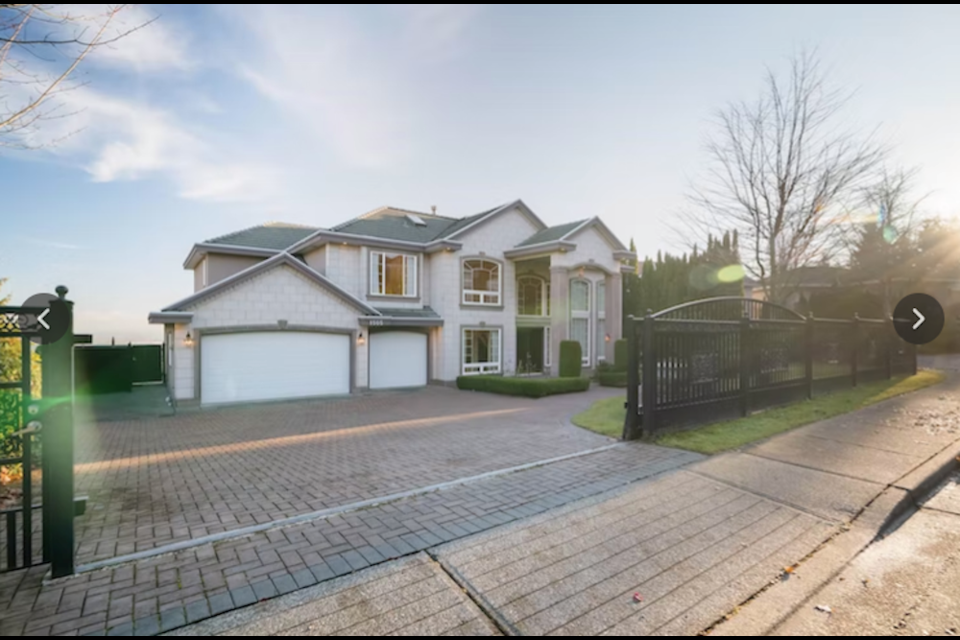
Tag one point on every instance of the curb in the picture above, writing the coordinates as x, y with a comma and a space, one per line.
918, 485
881, 517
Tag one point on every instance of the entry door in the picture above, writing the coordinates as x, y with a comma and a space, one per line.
530, 349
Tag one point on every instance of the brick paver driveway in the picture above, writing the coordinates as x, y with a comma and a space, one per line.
152, 482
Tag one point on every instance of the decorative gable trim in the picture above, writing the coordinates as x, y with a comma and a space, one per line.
281, 259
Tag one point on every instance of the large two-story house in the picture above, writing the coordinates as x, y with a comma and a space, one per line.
390, 299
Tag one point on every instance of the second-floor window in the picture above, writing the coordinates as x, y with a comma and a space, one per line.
481, 282
533, 296
393, 274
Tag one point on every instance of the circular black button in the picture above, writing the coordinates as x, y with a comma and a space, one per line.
918, 318
51, 323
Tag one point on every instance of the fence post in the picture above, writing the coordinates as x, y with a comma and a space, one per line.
57, 432
650, 377
630, 431
808, 355
889, 344
854, 366
744, 364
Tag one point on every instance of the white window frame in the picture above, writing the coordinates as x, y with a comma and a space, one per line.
479, 368
583, 315
544, 296
601, 321
378, 286
203, 272
486, 298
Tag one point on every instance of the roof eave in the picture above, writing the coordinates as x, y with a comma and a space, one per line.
397, 321
326, 237
201, 249
169, 317
624, 255
541, 247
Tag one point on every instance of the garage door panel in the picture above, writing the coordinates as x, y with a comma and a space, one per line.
271, 365
398, 359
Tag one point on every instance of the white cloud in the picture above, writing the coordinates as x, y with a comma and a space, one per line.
118, 139
156, 46
349, 85
436, 28
137, 36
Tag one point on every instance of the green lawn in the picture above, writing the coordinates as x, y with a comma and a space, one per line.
606, 416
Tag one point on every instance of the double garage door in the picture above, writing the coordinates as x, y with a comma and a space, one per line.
276, 365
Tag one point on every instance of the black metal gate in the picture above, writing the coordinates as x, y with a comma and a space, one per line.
47, 421
721, 358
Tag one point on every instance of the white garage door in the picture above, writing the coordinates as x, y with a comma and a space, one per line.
272, 365
398, 359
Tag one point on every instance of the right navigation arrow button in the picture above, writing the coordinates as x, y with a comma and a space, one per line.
920, 320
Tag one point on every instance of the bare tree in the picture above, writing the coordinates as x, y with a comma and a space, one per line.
41, 46
882, 246
782, 168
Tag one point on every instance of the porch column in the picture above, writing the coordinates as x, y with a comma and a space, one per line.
559, 296
614, 312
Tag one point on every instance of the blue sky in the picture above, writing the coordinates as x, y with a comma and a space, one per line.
216, 118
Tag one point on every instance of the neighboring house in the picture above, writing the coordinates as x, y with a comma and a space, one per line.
390, 299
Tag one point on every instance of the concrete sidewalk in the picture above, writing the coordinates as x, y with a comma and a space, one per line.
906, 584
674, 554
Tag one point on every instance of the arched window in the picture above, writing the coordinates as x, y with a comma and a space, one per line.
482, 282
580, 316
532, 296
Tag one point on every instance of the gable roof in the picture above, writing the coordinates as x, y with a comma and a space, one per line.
281, 258
463, 223
550, 234
273, 235
604, 230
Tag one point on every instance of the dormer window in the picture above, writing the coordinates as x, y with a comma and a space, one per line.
416, 220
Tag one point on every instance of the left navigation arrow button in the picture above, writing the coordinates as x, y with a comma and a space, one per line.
40, 319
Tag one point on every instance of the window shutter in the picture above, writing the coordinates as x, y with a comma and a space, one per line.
410, 275
375, 272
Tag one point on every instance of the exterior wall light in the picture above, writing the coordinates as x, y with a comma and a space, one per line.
361, 340
606, 338
188, 341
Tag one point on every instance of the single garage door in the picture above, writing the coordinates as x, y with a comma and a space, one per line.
398, 359
272, 365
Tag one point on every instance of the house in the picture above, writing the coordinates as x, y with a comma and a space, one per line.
390, 299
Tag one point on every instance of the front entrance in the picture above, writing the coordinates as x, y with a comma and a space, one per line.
530, 350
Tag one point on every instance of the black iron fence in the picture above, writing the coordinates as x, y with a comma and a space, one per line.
722, 358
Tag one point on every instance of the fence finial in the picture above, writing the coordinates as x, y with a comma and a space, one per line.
62, 291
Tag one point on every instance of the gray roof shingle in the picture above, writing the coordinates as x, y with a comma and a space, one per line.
551, 233
274, 235
393, 224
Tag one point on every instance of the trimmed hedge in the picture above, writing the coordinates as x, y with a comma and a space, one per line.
612, 378
528, 387
571, 359
620, 355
